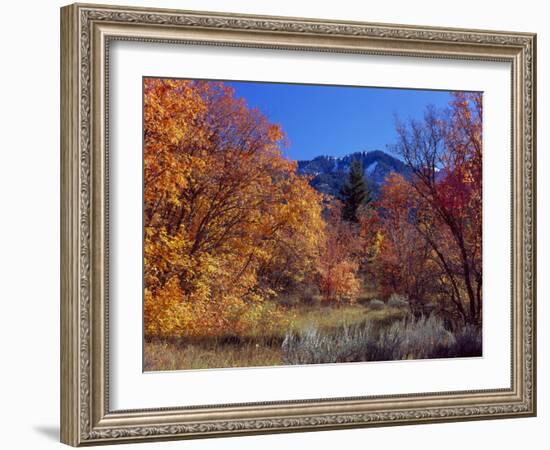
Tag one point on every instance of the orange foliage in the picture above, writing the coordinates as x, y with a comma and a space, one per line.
223, 211
229, 225
338, 266
403, 262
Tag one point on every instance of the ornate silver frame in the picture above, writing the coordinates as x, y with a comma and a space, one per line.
86, 31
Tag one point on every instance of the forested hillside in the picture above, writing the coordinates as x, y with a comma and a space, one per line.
329, 172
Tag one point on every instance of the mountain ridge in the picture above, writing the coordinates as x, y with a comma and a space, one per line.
329, 173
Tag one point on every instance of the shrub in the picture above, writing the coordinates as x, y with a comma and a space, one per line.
404, 339
422, 338
364, 299
288, 300
376, 304
311, 346
311, 297
398, 301
339, 283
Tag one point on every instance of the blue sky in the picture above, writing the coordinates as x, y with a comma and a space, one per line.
336, 120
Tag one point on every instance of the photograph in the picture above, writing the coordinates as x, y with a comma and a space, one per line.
295, 224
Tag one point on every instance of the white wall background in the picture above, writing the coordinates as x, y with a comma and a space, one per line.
29, 225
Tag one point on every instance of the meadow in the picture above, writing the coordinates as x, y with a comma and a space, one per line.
369, 331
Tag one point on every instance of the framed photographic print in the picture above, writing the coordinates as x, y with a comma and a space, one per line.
275, 224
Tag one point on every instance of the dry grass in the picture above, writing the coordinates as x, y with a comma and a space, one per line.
253, 350
162, 355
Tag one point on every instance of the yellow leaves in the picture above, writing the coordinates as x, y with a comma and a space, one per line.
275, 133
224, 211
377, 244
468, 177
165, 312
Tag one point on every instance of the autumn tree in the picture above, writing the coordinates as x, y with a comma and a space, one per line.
355, 193
223, 211
444, 154
339, 280
403, 263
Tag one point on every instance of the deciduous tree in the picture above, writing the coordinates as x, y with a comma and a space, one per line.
444, 154
223, 211
339, 280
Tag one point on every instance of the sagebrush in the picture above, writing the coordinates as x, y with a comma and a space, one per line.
409, 338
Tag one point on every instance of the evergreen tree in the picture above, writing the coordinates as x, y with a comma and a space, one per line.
355, 192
